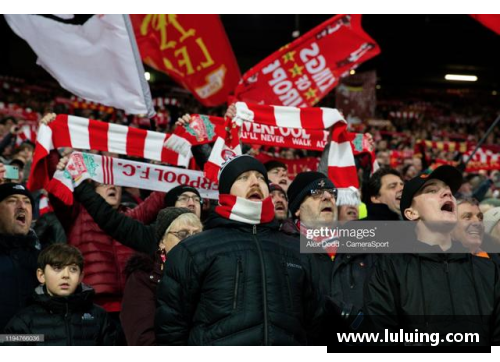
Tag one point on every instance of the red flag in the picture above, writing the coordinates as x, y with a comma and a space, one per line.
192, 49
304, 71
491, 21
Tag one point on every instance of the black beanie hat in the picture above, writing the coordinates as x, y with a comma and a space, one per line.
276, 187
172, 195
234, 167
301, 186
166, 217
11, 188
269, 165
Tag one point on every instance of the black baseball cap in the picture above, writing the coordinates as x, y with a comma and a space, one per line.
448, 174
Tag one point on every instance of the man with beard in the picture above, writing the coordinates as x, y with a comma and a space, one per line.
339, 277
280, 202
241, 281
18, 252
384, 194
277, 172
429, 289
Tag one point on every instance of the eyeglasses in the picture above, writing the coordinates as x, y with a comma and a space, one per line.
185, 199
182, 234
317, 194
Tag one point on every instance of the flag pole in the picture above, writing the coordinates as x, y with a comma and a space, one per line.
140, 68
479, 144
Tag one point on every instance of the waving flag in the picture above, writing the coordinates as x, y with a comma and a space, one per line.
192, 49
491, 21
96, 59
304, 71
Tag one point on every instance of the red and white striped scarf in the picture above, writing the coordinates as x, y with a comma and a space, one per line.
341, 165
44, 205
88, 134
246, 211
113, 171
28, 133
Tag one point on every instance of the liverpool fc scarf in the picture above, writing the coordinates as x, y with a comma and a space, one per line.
87, 134
246, 211
114, 171
341, 165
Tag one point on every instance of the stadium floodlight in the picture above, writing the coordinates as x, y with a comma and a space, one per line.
460, 77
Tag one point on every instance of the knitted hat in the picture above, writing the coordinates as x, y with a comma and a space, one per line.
269, 165
11, 188
234, 167
303, 184
172, 195
491, 218
276, 187
166, 217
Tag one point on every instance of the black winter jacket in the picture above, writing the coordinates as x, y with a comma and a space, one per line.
235, 284
435, 292
18, 257
64, 321
379, 212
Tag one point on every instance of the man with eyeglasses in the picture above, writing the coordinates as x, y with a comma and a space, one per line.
241, 281
339, 278
185, 196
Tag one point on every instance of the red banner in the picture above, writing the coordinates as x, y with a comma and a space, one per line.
192, 49
304, 71
294, 166
491, 21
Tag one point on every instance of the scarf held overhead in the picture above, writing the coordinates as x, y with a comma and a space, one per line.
88, 134
341, 165
119, 172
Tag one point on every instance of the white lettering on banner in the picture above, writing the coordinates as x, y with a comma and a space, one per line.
315, 64
282, 86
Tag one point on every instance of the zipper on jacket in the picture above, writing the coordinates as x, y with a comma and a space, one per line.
67, 322
239, 270
264, 287
289, 286
449, 287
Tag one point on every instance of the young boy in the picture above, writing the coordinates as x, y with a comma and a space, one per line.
432, 291
62, 309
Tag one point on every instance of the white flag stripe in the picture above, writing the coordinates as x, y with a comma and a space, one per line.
153, 145
287, 117
117, 139
340, 154
79, 132
94, 60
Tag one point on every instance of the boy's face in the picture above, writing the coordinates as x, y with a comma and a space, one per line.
60, 281
434, 203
